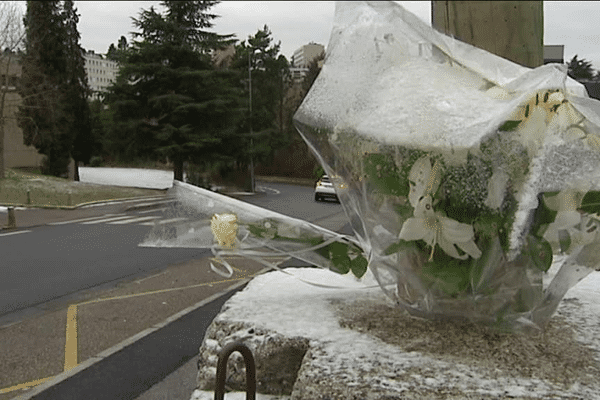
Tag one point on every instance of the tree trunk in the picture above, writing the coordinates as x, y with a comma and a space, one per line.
510, 29
2, 145
76, 172
178, 168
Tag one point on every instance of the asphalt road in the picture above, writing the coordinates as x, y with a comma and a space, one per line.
294, 201
53, 261
100, 251
56, 262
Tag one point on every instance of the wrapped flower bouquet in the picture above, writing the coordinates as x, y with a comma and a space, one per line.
467, 177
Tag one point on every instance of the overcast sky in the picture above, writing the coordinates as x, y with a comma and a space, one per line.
295, 23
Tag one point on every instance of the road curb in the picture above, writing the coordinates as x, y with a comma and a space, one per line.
293, 181
71, 374
154, 204
89, 203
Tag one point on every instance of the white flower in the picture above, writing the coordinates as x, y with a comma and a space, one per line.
496, 187
434, 228
567, 219
498, 93
532, 131
423, 179
429, 225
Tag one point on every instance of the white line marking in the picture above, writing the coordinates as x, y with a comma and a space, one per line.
116, 201
13, 233
81, 219
133, 220
105, 220
155, 203
165, 221
153, 210
263, 188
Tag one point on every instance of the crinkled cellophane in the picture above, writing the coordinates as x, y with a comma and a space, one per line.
471, 182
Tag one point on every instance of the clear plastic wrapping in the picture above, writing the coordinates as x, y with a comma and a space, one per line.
471, 183
466, 177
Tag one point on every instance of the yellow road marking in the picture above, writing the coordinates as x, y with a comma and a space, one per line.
24, 385
71, 338
71, 356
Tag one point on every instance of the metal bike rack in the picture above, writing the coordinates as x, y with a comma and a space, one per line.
222, 370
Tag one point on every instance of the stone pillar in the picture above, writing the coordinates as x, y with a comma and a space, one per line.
12, 221
510, 29
71, 175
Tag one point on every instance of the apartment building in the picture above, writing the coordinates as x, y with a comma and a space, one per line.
302, 58
16, 154
304, 55
554, 53
101, 72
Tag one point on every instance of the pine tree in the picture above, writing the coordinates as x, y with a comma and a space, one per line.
168, 99
42, 82
580, 69
77, 91
54, 114
116, 53
270, 82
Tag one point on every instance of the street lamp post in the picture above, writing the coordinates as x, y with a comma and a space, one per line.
251, 139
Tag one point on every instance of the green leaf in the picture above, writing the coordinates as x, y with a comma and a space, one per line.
542, 216
564, 239
451, 277
509, 126
540, 252
399, 246
591, 203
338, 254
359, 266
405, 211
256, 230
382, 172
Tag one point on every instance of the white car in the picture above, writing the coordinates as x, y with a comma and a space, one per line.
325, 189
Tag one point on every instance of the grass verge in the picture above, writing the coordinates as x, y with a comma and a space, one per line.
50, 191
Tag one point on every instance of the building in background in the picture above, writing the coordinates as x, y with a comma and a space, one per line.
302, 58
101, 73
222, 58
554, 54
16, 154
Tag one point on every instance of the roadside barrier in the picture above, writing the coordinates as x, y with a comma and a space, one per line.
12, 221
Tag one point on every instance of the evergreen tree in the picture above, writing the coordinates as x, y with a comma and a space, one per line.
43, 69
313, 72
54, 114
76, 106
580, 69
270, 82
117, 53
168, 98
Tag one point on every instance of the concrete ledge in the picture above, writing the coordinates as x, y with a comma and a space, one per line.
362, 347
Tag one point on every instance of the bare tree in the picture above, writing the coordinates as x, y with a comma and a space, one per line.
12, 34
